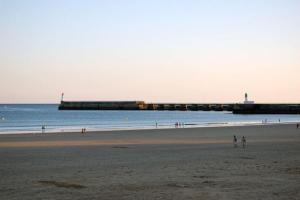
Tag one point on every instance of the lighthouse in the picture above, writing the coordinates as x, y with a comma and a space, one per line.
247, 101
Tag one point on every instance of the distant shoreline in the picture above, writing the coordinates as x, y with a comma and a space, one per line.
137, 136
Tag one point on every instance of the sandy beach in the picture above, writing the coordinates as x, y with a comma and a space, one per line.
183, 163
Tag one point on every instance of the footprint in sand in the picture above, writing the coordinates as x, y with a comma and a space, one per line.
62, 184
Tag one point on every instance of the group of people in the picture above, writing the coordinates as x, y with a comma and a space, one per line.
265, 121
235, 141
83, 131
179, 124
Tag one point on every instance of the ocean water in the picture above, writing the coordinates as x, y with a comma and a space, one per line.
25, 118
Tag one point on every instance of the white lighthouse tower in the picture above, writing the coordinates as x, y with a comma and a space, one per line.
247, 101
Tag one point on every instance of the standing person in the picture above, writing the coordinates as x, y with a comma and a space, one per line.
244, 141
43, 128
156, 124
234, 141
297, 125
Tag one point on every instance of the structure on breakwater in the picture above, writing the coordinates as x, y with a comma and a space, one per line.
140, 105
248, 107
266, 109
102, 105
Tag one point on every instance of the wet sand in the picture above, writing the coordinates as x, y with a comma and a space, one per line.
183, 163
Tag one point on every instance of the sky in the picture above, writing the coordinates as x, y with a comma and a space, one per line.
158, 51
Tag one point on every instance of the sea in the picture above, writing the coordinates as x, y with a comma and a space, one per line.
29, 118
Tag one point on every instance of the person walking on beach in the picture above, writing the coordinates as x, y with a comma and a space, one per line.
244, 141
297, 125
83, 131
43, 128
234, 141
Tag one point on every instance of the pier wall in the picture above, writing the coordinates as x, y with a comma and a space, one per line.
141, 105
266, 109
102, 105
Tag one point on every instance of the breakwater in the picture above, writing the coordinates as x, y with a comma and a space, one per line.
266, 109
141, 105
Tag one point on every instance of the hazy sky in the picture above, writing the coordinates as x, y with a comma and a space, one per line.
157, 51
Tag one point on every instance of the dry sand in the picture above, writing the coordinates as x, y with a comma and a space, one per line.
193, 163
